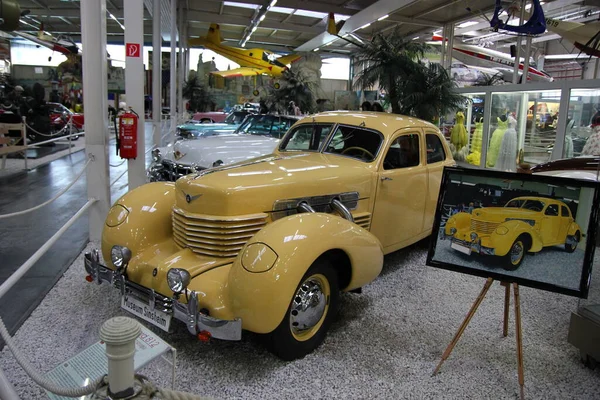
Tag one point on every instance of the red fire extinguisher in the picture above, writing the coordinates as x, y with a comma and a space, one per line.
127, 139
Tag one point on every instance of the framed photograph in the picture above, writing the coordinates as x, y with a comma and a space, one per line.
535, 230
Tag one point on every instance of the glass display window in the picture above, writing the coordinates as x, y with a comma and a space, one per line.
582, 133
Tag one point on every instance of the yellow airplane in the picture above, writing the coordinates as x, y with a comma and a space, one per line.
253, 61
585, 37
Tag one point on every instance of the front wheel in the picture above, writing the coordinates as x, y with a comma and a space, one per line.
514, 257
309, 314
572, 241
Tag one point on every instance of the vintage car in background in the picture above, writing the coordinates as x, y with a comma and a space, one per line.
61, 115
259, 134
524, 224
194, 129
210, 116
267, 245
584, 167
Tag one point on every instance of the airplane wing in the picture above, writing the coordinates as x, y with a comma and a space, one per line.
285, 60
61, 48
243, 71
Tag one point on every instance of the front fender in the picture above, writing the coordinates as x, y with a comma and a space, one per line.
502, 243
139, 219
461, 221
262, 298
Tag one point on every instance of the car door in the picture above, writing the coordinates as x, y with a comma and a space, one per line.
435, 159
550, 224
401, 191
565, 221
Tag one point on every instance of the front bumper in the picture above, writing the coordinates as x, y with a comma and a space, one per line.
474, 245
189, 313
167, 170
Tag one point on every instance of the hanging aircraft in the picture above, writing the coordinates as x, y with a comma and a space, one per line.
488, 58
253, 61
63, 45
585, 37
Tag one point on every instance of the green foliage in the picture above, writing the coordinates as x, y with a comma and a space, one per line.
412, 87
294, 87
429, 92
200, 98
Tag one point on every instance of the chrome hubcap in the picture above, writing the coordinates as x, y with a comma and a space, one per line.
516, 252
308, 306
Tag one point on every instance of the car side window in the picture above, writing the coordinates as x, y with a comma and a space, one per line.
435, 149
356, 142
564, 211
403, 152
552, 210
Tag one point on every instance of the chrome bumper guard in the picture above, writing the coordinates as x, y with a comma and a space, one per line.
195, 321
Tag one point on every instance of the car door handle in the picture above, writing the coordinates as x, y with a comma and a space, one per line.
386, 178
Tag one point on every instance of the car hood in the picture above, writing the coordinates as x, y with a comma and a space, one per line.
228, 149
253, 186
207, 127
500, 214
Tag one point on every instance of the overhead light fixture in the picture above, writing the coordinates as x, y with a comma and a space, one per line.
365, 26
382, 18
317, 49
346, 35
254, 28
273, 2
262, 17
415, 38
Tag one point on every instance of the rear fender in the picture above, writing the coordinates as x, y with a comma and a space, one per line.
266, 273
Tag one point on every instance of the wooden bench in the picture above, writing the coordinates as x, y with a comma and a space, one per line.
13, 144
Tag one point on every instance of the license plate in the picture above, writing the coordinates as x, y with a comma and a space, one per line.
461, 248
140, 309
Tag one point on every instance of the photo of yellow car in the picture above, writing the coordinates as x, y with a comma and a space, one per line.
524, 225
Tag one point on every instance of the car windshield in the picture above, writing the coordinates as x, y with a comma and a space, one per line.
236, 117
266, 125
306, 137
533, 205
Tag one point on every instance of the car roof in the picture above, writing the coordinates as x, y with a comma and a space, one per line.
538, 198
383, 122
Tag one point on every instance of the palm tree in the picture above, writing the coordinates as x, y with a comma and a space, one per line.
386, 60
294, 87
200, 99
490, 80
429, 92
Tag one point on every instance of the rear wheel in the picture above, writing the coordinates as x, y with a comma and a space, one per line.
309, 314
514, 257
572, 242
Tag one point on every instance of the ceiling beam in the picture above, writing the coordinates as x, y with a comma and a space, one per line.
199, 16
302, 5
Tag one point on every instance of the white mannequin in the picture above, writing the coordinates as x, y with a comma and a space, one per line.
507, 156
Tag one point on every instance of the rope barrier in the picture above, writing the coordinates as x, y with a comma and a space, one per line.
119, 164
52, 134
19, 356
48, 201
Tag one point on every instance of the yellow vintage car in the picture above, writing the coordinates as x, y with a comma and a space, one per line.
524, 224
267, 245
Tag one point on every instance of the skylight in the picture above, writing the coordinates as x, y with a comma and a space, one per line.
468, 23
241, 5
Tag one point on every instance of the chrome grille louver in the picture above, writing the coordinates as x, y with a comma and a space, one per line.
213, 235
483, 226
363, 220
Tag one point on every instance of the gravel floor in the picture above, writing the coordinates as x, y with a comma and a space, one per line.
385, 344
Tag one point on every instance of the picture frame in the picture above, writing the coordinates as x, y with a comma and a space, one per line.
534, 230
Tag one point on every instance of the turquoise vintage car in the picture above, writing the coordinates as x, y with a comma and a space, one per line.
195, 128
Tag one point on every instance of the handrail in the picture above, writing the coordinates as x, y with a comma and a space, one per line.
9, 283
52, 199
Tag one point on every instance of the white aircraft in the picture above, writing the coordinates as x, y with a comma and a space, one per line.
488, 58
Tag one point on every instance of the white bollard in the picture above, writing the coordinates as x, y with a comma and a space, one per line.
119, 334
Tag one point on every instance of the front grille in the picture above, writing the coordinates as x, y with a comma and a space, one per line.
363, 220
483, 226
213, 235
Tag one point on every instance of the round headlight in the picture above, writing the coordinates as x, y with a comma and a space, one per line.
178, 279
120, 256
473, 236
156, 157
501, 230
452, 231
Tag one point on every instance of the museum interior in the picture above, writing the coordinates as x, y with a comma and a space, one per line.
258, 199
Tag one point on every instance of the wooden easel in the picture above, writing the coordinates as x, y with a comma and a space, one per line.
472, 311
